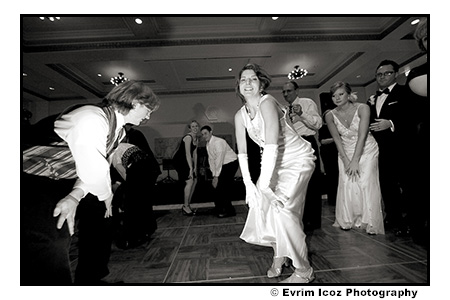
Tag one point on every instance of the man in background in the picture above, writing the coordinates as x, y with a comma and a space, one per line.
307, 121
223, 164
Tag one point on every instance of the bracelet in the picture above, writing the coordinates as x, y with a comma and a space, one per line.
70, 197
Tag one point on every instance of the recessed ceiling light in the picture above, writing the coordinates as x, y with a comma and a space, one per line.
414, 22
51, 88
138, 21
274, 18
230, 69
99, 75
24, 74
358, 76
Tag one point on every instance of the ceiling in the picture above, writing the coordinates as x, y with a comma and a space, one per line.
187, 55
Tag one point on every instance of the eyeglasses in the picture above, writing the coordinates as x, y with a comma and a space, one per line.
385, 74
149, 110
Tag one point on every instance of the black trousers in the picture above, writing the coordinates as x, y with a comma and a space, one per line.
389, 165
329, 155
138, 192
44, 249
312, 216
94, 241
222, 193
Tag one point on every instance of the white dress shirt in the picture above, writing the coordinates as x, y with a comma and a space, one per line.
380, 102
86, 130
310, 121
219, 154
382, 98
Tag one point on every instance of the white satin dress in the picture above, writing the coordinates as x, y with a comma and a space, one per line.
358, 203
269, 225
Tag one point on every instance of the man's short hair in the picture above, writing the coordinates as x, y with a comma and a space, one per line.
206, 127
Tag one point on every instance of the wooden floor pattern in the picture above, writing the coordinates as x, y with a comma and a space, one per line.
204, 249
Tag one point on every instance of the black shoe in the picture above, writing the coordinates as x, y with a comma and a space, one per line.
226, 214
403, 232
185, 212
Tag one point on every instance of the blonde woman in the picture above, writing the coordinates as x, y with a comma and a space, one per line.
358, 201
185, 162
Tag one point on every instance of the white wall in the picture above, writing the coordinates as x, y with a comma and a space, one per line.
177, 111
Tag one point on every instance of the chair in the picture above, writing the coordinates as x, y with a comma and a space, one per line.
168, 165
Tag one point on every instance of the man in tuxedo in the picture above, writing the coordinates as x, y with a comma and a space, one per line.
385, 125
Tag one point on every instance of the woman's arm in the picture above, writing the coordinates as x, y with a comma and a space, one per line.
187, 147
336, 137
120, 168
363, 130
271, 116
251, 194
194, 154
240, 133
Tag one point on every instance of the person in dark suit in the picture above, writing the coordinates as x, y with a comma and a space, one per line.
386, 124
133, 200
415, 179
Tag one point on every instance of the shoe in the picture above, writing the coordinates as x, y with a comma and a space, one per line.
185, 212
226, 214
277, 267
403, 232
298, 277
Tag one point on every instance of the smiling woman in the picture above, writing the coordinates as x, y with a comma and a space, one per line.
287, 162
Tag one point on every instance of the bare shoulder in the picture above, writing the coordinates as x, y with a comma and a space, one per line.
363, 107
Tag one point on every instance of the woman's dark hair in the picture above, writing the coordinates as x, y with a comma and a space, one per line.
262, 75
121, 97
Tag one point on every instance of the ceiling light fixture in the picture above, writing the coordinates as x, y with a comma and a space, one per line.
297, 73
118, 79
52, 19
274, 18
415, 21
138, 21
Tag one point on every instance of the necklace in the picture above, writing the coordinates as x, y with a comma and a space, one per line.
347, 114
256, 133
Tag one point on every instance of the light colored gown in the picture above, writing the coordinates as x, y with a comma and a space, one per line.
267, 225
358, 203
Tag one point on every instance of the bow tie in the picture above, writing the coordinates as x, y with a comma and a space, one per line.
385, 91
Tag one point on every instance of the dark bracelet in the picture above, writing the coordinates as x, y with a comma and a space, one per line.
72, 198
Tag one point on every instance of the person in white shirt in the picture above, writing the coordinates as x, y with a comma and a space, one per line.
306, 121
223, 164
86, 135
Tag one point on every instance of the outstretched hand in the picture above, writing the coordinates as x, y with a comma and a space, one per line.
66, 209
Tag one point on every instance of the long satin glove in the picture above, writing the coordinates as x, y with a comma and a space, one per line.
250, 188
268, 161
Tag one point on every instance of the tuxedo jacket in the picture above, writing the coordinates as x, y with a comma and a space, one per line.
392, 109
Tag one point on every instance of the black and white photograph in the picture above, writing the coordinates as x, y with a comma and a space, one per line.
290, 154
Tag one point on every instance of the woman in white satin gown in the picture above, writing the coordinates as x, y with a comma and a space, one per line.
287, 163
358, 202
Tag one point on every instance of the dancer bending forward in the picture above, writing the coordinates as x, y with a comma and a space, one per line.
287, 163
